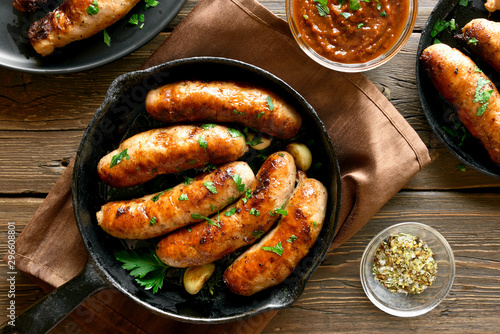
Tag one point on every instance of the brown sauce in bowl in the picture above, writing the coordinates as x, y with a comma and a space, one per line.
347, 34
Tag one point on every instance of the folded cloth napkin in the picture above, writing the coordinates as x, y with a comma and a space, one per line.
377, 149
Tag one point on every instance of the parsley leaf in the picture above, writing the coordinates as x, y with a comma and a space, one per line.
238, 180
208, 126
259, 115
323, 10
255, 212
183, 197
234, 132
210, 186
208, 220
472, 41
281, 210
145, 266
151, 3
230, 212
439, 26
187, 179
257, 233
463, 3
93, 8
107, 38
116, 159
278, 249
238, 112
202, 142
461, 167
346, 15
354, 4
292, 238
153, 221
269, 100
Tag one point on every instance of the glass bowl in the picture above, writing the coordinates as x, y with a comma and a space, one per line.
409, 305
354, 67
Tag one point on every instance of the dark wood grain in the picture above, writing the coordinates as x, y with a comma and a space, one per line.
42, 119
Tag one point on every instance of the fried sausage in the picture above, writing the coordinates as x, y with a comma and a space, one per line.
168, 150
71, 22
239, 225
483, 38
220, 101
28, 5
163, 212
457, 78
274, 258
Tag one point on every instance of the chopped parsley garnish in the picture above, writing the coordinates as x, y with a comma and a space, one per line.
259, 115
383, 14
238, 112
315, 223
439, 26
208, 126
212, 207
234, 132
93, 8
187, 179
482, 96
255, 212
210, 186
248, 194
453, 24
346, 15
258, 233
153, 221
202, 142
157, 196
360, 25
281, 210
305, 16
151, 3
461, 167
107, 38
208, 220
183, 197
322, 7
230, 212
477, 70
116, 159
270, 102
135, 19
209, 167
145, 266
292, 238
256, 140
238, 180
354, 5
278, 249
463, 3
472, 41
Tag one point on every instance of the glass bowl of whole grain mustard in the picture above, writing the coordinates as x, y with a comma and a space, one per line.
351, 35
407, 269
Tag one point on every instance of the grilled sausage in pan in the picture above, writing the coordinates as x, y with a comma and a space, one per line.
239, 225
274, 258
458, 79
169, 150
161, 213
483, 38
220, 101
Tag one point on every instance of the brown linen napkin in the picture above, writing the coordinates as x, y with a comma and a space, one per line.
377, 149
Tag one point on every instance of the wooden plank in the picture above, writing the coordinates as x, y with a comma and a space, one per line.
334, 296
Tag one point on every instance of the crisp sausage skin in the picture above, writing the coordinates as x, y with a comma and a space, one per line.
456, 77
169, 150
71, 22
221, 101
260, 267
28, 5
155, 215
487, 40
237, 226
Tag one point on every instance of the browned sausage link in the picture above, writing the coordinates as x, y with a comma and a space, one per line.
456, 77
240, 225
274, 258
28, 5
169, 150
163, 212
483, 38
219, 101
71, 22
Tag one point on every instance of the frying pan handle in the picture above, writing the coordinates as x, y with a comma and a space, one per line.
53, 308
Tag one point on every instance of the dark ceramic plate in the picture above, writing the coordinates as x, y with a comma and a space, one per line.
440, 114
123, 114
17, 53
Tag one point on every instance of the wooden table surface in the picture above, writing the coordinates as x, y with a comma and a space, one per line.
42, 119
